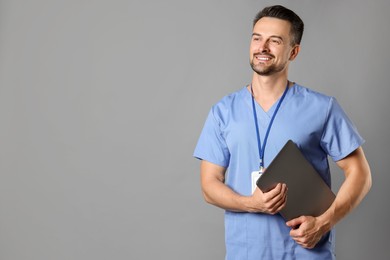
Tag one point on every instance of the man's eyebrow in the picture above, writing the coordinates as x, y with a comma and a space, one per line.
272, 36
276, 36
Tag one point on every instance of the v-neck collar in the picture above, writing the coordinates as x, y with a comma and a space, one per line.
268, 114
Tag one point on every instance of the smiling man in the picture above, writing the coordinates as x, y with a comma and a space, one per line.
245, 130
268, 46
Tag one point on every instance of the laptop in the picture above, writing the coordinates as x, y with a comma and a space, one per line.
307, 194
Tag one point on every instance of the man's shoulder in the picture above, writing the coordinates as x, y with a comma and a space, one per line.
223, 108
231, 98
311, 95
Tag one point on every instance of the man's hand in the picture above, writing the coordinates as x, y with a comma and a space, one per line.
270, 202
307, 231
217, 193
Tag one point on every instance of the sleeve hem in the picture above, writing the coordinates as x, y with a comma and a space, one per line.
348, 151
217, 162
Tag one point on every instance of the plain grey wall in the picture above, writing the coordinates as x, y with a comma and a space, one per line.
102, 102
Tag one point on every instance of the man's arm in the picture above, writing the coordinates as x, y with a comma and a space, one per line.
356, 185
217, 193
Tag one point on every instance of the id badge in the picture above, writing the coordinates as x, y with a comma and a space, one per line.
255, 176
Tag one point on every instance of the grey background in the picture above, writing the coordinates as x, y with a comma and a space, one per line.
102, 102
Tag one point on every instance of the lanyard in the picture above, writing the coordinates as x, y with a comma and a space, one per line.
262, 148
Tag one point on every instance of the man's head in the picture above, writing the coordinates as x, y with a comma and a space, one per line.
277, 32
280, 12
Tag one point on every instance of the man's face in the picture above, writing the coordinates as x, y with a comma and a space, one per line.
270, 48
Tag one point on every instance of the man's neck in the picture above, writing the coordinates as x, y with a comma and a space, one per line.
268, 89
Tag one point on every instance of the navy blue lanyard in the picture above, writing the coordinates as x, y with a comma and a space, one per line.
262, 148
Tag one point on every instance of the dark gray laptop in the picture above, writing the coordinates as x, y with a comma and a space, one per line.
307, 193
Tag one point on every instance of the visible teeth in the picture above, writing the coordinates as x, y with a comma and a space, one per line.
263, 58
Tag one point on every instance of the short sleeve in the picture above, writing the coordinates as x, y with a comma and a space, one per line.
340, 136
211, 144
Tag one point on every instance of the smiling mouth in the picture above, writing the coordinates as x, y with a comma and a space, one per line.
263, 57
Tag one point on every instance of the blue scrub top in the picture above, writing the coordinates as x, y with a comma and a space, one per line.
315, 122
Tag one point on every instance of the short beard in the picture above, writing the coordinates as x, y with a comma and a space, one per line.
268, 70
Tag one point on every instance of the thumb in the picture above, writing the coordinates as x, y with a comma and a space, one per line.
295, 222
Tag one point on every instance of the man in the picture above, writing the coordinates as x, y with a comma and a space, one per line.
245, 131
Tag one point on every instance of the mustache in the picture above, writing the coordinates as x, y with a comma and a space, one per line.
264, 54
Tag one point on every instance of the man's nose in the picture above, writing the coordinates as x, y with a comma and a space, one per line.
263, 46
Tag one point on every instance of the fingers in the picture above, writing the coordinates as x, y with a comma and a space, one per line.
279, 189
275, 199
270, 202
295, 222
305, 233
307, 242
279, 204
298, 234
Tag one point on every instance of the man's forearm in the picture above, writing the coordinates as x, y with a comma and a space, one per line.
217, 193
352, 191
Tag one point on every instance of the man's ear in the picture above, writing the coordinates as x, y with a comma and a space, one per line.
294, 52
